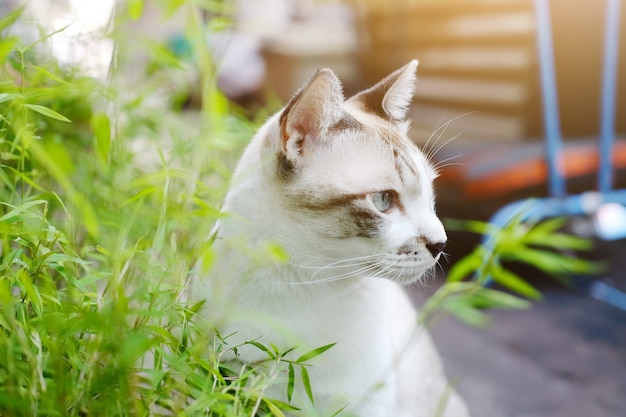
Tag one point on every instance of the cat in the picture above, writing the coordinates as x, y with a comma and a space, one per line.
341, 189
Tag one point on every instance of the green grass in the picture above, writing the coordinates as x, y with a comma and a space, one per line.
97, 242
95, 251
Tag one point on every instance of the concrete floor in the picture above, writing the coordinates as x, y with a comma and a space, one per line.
566, 357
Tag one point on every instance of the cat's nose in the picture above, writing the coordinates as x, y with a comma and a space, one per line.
435, 248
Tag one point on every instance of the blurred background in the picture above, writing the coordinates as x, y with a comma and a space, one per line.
477, 109
478, 97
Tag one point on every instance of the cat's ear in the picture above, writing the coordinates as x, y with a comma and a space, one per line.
391, 97
310, 112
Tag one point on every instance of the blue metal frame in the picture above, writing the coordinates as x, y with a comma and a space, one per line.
551, 117
609, 85
560, 203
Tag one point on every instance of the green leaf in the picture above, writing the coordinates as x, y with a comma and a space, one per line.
490, 298
466, 313
47, 112
261, 347
284, 406
466, 266
291, 381
555, 263
43, 71
135, 9
101, 125
306, 381
473, 226
7, 96
558, 241
6, 46
11, 18
336, 413
273, 408
31, 291
513, 282
315, 352
58, 153
15, 214
219, 24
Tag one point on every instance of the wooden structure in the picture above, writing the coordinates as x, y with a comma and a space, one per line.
478, 59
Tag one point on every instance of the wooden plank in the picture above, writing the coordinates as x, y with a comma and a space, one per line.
445, 122
479, 91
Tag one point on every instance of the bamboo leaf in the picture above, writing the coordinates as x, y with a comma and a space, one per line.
558, 241
48, 112
11, 18
490, 298
43, 71
291, 381
101, 125
14, 215
464, 267
466, 313
306, 381
315, 352
284, 406
473, 226
273, 408
261, 347
6, 46
513, 282
31, 291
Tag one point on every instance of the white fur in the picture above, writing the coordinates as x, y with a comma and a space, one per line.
383, 363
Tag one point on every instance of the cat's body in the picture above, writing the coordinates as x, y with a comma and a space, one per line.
339, 186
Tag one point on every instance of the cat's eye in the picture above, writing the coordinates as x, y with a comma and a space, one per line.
383, 200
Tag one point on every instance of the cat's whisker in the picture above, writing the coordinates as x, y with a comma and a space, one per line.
346, 275
378, 269
349, 288
324, 267
446, 162
451, 164
441, 128
339, 263
434, 151
322, 258
366, 268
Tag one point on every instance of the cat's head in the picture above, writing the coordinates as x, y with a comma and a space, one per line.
352, 188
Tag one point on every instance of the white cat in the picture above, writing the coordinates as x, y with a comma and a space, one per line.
339, 186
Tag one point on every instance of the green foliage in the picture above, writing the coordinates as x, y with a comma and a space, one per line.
539, 244
96, 246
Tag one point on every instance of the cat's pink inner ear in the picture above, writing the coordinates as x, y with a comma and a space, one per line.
310, 112
391, 97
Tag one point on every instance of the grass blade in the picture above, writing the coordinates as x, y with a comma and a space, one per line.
315, 352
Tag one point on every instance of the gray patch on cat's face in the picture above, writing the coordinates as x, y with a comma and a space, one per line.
368, 223
285, 168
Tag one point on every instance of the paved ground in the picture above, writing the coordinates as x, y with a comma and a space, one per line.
564, 358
